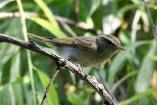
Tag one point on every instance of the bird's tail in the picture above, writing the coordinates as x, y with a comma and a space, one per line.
41, 40
38, 38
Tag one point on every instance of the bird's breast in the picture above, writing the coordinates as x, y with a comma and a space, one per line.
83, 56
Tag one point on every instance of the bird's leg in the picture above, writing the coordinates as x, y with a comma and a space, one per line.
79, 68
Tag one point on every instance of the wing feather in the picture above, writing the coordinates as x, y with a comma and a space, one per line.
83, 42
80, 42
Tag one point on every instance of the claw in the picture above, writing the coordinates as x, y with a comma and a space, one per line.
79, 68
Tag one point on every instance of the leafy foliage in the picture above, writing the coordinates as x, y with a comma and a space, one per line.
130, 75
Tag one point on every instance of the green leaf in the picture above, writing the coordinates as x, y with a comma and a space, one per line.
15, 67
146, 69
88, 7
119, 82
6, 72
16, 90
46, 24
139, 96
126, 8
47, 12
145, 19
51, 20
10, 70
5, 96
75, 99
3, 3
95, 4
119, 60
154, 58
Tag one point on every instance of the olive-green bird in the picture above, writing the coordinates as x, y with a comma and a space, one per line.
84, 50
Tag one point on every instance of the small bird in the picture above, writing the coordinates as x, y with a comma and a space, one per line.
84, 50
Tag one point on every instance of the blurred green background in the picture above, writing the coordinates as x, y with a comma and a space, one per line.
131, 74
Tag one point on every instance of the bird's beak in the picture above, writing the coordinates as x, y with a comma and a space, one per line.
121, 48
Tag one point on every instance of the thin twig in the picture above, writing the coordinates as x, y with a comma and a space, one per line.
91, 80
153, 27
68, 29
80, 25
4, 15
75, 10
50, 83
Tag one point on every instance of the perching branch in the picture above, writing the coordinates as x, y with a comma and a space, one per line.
63, 63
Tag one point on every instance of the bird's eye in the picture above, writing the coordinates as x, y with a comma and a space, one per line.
109, 42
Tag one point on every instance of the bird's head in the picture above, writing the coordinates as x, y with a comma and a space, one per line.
109, 43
